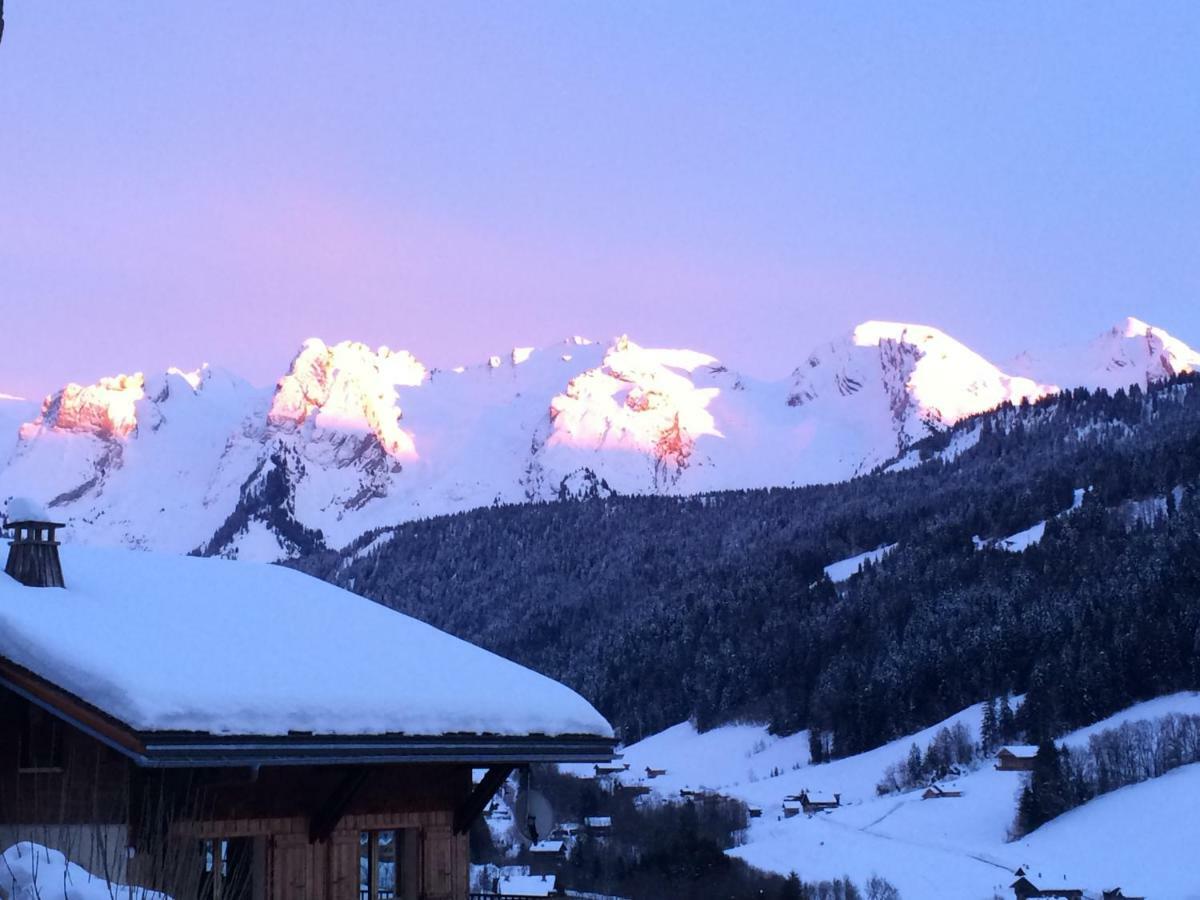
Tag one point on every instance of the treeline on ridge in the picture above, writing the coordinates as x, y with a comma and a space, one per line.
715, 608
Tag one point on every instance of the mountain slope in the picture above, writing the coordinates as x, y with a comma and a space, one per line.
714, 607
353, 439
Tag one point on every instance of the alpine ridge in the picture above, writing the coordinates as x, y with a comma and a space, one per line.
352, 439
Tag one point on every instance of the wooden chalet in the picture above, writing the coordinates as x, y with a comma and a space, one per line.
811, 804
610, 768
933, 792
655, 773
233, 731
1016, 759
791, 809
1024, 889
598, 825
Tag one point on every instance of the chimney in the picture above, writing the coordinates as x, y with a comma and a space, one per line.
33, 551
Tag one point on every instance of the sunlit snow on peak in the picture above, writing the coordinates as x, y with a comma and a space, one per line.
637, 399
348, 388
195, 377
107, 408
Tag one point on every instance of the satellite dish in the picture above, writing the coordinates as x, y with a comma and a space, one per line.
532, 808
541, 812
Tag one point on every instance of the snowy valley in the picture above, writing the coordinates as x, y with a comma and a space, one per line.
956, 846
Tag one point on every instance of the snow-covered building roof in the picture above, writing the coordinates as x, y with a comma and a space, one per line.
1021, 751
180, 650
527, 885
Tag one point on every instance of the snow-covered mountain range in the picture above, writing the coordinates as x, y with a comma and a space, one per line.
352, 438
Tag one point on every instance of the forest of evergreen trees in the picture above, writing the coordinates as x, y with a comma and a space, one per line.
715, 608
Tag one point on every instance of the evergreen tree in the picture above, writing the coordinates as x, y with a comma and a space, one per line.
989, 735
1006, 722
915, 767
816, 747
791, 889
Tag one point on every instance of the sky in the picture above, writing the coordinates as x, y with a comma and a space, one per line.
217, 181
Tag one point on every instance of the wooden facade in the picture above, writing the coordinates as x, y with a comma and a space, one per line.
297, 830
1008, 761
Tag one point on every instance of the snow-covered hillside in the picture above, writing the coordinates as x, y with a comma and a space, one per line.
931, 849
353, 438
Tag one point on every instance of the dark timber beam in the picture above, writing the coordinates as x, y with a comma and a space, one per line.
327, 816
469, 811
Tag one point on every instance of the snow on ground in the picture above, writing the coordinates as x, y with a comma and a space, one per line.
282, 652
720, 759
950, 847
30, 871
843, 569
1185, 703
1142, 838
1026, 538
1022, 540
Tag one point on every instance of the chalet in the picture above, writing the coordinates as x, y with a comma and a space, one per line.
933, 792
566, 831
222, 729
611, 768
598, 825
1024, 889
755, 812
552, 849
655, 773
1118, 894
810, 803
791, 809
1015, 759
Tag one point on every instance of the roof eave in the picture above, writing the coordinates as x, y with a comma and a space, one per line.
476, 750
198, 750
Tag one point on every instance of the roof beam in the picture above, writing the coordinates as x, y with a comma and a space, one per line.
469, 810
328, 814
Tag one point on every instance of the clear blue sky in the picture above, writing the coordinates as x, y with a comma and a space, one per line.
219, 180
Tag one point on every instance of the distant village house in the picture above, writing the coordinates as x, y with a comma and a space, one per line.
1016, 759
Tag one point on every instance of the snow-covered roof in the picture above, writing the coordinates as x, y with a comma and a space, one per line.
547, 847
598, 821
1021, 750
527, 885
173, 643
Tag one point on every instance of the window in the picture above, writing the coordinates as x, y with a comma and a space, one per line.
226, 872
386, 863
42, 742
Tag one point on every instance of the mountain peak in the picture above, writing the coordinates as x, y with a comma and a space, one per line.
107, 408
1131, 352
347, 388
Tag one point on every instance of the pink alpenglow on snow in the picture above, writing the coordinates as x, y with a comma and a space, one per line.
171, 643
370, 438
107, 408
348, 388
632, 396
